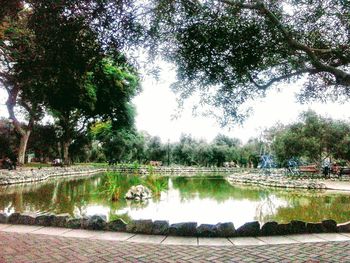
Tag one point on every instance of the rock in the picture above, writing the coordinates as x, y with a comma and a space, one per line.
142, 226
183, 229
138, 192
206, 230
314, 228
344, 228
74, 223
27, 219
3, 218
284, 229
160, 227
84, 222
249, 229
96, 222
298, 227
269, 229
329, 226
13, 218
225, 229
44, 220
117, 225
61, 220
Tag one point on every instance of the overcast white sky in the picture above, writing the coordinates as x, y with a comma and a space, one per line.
156, 105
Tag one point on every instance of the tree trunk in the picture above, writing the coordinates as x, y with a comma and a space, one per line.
65, 151
23, 146
23, 131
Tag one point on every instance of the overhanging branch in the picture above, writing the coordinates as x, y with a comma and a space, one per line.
313, 53
280, 78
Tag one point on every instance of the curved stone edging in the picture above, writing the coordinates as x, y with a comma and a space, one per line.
37, 175
276, 181
159, 227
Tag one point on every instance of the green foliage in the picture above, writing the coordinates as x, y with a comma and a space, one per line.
233, 51
117, 184
8, 139
150, 169
122, 145
62, 61
156, 184
193, 152
312, 139
43, 142
86, 95
155, 150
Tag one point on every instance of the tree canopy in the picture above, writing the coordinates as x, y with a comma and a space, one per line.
67, 56
79, 81
231, 51
313, 138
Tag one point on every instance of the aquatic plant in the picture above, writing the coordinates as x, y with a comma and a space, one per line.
150, 169
117, 184
156, 184
112, 186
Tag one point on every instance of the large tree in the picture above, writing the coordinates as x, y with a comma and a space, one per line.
312, 138
30, 30
70, 66
119, 144
235, 50
17, 44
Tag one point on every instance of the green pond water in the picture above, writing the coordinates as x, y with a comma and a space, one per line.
209, 199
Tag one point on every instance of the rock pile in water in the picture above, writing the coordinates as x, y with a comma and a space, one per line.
138, 193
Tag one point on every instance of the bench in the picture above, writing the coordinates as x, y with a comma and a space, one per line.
344, 170
309, 169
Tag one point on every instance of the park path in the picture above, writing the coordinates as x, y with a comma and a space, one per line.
44, 244
337, 185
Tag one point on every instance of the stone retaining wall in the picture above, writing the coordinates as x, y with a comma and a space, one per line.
183, 171
159, 227
36, 174
276, 180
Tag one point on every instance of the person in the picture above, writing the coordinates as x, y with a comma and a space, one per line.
336, 169
7, 164
13, 160
326, 167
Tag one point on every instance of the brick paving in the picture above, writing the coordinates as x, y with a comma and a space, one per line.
17, 247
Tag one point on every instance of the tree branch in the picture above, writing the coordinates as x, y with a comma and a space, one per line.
241, 5
280, 78
11, 103
342, 76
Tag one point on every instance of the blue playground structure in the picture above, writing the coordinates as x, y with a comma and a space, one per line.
293, 166
267, 162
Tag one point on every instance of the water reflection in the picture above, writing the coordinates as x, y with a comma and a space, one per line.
201, 199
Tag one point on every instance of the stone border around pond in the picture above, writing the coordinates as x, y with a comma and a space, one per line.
159, 227
36, 175
276, 180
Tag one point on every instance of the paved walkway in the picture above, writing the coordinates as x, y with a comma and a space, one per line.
47, 244
337, 185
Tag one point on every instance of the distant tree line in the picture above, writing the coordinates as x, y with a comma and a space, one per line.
103, 142
311, 139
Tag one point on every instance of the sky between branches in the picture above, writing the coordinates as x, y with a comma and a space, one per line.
157, 104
